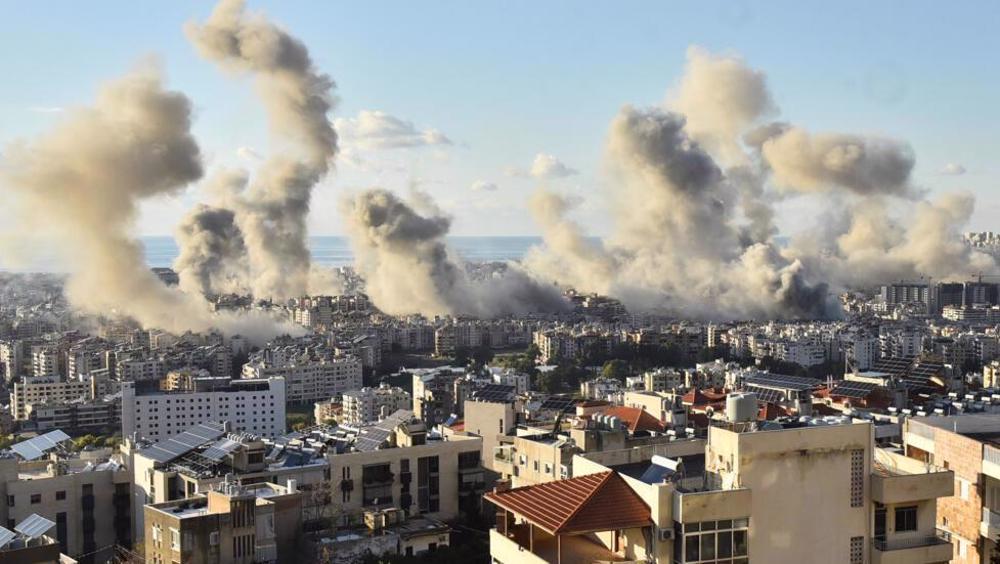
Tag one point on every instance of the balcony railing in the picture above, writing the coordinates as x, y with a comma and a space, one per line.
939, 537
991, 454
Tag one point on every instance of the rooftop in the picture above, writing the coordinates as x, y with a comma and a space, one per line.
596, 502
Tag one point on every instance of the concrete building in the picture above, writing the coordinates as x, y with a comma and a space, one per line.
309, 380
490, 420
370, 405
253, 406
437, 393
342, 472
755, 494
51, 390
85, 494
969, 445
231, 523
386, 531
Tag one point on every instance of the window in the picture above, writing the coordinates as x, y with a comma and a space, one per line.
213, 538
36, 498
175, 539
60, 495
711, 542
963, 488
10, 501
906, 518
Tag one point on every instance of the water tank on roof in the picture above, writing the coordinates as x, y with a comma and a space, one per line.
741, 407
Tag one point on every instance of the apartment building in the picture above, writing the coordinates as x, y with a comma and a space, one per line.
85, 494
309, 380
437, 393
792, 491
88, 415
252, 406
370, 405
969, 445
45, 390
231, 523
342, 472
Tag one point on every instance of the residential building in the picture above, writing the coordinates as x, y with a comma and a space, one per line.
309, 379
370, 405
86, 494
252, 406
45, 390
755, 493
969, 445
231, 523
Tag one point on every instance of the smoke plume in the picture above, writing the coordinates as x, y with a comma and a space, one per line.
402, 255
271, 213
81, 185
695, 238
807, 162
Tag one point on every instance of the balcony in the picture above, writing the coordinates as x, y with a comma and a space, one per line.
991, 461
898, 479
927, 549
517, 547
989, 527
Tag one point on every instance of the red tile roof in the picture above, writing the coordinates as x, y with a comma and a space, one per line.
596, 502
635, 418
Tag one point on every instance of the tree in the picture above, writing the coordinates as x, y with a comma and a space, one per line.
616, 369
482, 355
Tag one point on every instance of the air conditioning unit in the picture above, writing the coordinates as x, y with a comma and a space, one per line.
665, 534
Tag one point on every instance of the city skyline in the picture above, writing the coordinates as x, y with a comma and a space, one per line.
468, 124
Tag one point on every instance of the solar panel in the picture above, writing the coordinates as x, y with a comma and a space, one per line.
494, 393
766, 395
179, 445
371, 439
783, 381
221, 449
853, 389
6, 535
38, 446
34, 526
559, 403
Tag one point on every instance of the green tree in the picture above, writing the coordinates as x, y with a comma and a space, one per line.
616, 369
482, 355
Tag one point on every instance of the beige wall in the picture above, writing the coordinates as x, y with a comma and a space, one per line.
488, 420
793, 474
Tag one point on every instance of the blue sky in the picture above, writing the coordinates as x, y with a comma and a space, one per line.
507, 80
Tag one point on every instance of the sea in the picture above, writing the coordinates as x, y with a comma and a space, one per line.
336, 251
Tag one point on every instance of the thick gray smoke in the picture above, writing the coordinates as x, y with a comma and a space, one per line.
272, 211
676, 243
407, 266
697, 239
212, 253
81, 185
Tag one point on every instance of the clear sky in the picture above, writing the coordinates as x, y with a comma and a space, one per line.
506, 80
